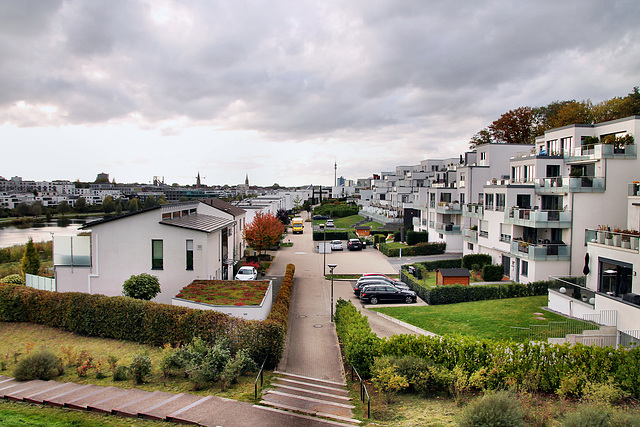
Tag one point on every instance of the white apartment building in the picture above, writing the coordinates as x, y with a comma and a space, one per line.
533, 221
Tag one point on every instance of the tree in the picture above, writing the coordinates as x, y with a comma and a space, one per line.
30, 262
80, 205
133, 205
283, 216
263, 232
297, 202
143, 286
480, 138
36, 208
63, 207
150, 202
108, 205
514, 127
23, 209
572, 112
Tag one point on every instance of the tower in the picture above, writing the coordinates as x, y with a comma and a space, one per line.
246, 179
198, 180
335, 173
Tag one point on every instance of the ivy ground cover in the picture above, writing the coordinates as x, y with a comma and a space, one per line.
225, 292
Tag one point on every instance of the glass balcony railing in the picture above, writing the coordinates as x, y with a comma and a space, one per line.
581, 184
618, 239
448, 208
601, 151
573, 287
473, 210
540, 251
448, 228
536, 218
470, 235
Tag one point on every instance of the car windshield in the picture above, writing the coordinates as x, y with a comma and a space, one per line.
246, 270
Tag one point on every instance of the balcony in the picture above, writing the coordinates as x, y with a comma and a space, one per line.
443, 185
473, 210
535, 218
540, 251
634, 189
619, 239
448, 228
470, 235
582, 184
600, 151
573, 287
449, 208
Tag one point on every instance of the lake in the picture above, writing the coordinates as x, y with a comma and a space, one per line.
11, 235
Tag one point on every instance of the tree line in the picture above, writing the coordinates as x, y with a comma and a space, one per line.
523, 124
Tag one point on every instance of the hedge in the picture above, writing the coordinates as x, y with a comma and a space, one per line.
453, 294
339, 210
149, 322
419, 249
468, 261
318, 236
493, 365
414, 237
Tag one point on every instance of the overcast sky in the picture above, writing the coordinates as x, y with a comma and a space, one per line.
279, 90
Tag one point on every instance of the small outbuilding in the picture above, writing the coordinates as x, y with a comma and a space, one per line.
452, 276
363, 231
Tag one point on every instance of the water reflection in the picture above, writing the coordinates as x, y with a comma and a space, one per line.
19, 234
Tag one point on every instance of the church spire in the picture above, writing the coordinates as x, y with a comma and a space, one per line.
246, 180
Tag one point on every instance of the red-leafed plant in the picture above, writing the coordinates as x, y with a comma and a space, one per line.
263, 232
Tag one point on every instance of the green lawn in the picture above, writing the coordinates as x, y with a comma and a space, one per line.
348, 222
481, 319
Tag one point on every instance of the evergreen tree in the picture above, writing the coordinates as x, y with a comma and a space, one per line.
30, 262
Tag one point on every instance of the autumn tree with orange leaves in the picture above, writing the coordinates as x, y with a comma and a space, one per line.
263, 232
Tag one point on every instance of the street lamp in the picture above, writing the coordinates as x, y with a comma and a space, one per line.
331, 267
324, 249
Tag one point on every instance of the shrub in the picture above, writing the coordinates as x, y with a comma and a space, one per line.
471, 260
605, 393
143, 286
492, 273
120, 373
42, 365
30, 262
588, 416
498, 409
140, 368
235, 367
15, 279
414, 237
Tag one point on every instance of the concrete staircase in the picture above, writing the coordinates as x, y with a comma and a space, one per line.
321, 398
180, 408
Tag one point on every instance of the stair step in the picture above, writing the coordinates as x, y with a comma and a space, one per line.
94, 396
310, 412
136, 407
309, 404
185, 414
161, 410
310, 380
69, 395
17, 390
302, 392
106, 405
54, 391
311, 387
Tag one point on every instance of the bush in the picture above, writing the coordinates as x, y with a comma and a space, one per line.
500, 409
14, 279
471, 260
42, 365
414, 237
419, 249
140, 368
492, 273
143, 286
120, 373
588, 416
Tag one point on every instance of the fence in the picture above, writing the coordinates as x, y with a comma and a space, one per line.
39, 282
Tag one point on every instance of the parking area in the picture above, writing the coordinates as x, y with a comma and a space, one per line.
356, 301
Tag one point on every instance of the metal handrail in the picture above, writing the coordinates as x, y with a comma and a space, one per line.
260, 376
363, 390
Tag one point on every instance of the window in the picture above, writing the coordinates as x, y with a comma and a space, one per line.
470, 246
488, 204
156, 255
500, 201
189, 254
525, 268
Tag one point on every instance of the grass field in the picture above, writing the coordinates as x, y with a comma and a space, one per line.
18, 339
481, 319
348, 222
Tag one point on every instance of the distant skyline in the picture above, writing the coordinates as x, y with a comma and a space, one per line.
280, 90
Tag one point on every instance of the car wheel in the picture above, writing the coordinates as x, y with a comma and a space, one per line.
408, 300
374, 300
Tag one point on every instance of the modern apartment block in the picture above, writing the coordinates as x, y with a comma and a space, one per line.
533, 218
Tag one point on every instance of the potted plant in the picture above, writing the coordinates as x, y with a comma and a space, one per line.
617, 237
608, 237
601, 231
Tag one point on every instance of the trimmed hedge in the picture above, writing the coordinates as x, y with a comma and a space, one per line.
492, 273
415, 237
453, 294
492, 365
149, 322
419, 249
468, 261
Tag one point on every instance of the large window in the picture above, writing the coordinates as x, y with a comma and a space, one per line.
614, 277
500, 201
156, 255
189, 254
525, 268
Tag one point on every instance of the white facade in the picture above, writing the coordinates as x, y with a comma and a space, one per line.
160, 241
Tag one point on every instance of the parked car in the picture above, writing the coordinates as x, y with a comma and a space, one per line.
317, 217
336, 245
329, 223
247, 273
396, 283
354, 245
386, 293
360, 284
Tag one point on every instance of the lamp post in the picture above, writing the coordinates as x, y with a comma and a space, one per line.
324, 249
331, 267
